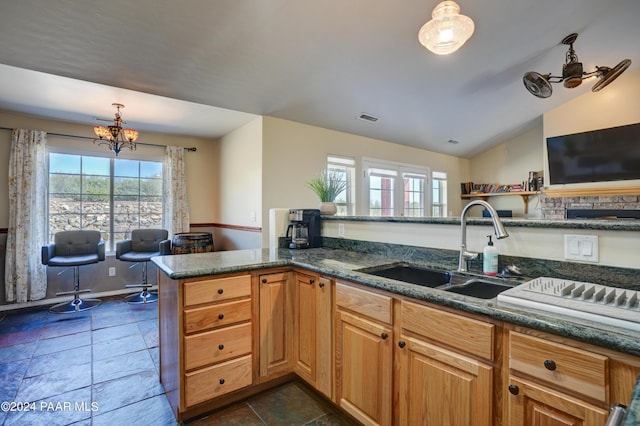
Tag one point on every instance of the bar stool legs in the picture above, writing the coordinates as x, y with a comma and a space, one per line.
77, 304
144, 296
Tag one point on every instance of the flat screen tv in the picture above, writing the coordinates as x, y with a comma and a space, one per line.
597, 156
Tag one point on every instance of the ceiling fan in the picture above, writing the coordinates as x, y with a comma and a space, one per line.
572, 73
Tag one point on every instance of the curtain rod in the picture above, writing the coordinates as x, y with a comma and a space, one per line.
64, 135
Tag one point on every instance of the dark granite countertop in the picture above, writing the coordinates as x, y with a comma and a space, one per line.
345, 265
633, 410
590, 224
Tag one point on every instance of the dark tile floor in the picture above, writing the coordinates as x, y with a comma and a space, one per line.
100, 367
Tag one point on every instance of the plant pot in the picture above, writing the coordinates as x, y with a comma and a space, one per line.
328, 208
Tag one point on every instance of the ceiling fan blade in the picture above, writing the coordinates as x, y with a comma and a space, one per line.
610, 74
537, 84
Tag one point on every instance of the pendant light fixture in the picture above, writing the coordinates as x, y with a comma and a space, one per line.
572, 73
115, 136
447, 31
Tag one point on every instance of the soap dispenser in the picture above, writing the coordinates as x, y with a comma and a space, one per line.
490, 259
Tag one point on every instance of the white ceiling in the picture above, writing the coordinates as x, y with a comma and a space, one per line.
203, 68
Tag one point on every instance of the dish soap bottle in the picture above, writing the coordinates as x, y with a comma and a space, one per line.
490, 259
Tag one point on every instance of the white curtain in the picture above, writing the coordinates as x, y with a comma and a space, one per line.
175, 213
25, 277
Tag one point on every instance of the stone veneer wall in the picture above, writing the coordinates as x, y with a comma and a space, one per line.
556, 207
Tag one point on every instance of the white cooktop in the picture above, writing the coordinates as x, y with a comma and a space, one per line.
594, 302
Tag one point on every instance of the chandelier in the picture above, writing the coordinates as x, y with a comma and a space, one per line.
115, 136
447, 31
572, 73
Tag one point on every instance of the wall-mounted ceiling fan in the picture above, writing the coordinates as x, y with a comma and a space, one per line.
572, 73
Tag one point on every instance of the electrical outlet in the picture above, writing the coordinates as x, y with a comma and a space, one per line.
341, 229
253, 216
112, 271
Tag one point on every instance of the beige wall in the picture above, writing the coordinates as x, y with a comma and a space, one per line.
509, 163
240, 170
294, 152
240, 187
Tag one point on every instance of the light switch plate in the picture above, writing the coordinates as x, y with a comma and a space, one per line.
581, 247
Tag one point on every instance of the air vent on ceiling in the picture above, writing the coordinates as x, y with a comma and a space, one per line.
453, 141
367, 117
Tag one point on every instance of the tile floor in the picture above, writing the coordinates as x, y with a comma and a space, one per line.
100, 367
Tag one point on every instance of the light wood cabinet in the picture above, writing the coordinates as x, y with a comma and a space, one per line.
313, 342
364, 354
438, 385
532, 404
205, 336
552, 382
276, 324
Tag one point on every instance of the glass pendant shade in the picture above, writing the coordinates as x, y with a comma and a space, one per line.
131, 135
447, 31
101, 131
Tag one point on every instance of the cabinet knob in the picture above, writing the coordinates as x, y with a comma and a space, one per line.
514, 390
321, 285
384, 335
402, 344
312, 282
220, 291
264, 281
222, 381
221, 346
220, 316
549, 364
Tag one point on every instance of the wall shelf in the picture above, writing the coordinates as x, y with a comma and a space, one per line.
593, 192
486, 195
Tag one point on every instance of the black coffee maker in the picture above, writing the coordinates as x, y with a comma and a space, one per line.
304, 229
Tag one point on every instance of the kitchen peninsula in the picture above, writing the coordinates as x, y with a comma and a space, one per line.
274, 314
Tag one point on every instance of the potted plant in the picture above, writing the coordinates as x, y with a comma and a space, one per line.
327, 185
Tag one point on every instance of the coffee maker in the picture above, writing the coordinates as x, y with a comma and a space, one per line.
304, 229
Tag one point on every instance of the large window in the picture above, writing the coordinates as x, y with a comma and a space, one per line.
393, 189
111, 195
346, 169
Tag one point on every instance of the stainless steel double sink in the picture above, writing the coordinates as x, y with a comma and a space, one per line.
438, 279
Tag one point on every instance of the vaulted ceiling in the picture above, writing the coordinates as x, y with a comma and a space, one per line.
205, 67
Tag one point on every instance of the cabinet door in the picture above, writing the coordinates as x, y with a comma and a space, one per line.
440, 387
305, 323
324, 337
276, 325
364, 353
531, 404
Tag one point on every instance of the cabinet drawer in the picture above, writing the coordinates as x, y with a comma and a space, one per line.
372, 305
563, 366
217, 345
216, 290
218, 315
466, 334
208, 383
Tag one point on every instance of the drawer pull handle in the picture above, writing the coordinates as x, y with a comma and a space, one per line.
264, 281
220, 291
384, 335
222, 381
220, 316
402, 344
549, 364
221, 346
321, 285
514, 390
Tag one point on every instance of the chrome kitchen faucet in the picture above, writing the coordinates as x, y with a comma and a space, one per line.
466, 256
